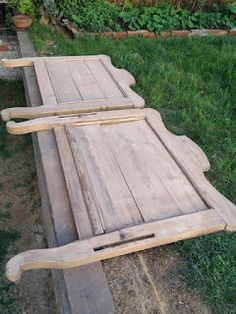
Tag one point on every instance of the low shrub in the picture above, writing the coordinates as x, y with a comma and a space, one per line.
98, 16
166, 18
167, 15
101, 16
21, 6
71, 7
192, 5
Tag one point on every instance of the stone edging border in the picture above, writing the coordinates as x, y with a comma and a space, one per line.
147, 34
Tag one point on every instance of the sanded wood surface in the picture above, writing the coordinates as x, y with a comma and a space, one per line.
138, 186
75, 85
79, 290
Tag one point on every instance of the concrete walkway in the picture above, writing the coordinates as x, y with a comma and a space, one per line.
9, 49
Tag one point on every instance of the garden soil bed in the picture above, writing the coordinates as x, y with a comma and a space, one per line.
147, 34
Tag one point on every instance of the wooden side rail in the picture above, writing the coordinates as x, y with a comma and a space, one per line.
53, 110
29, 62
43, 124
116, 243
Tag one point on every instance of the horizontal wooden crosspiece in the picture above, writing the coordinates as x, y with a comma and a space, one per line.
43, 124
115, 243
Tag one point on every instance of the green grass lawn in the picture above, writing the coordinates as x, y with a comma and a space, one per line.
191, 82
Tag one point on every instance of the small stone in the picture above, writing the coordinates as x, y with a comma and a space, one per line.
44, 20
5, 48
39, 238
150, 35
165, 34
199, 32
218, 32
180, 33
119, 35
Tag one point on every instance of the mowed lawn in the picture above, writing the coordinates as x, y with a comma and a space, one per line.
192, 83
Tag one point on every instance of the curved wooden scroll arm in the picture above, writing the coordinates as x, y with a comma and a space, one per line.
40, 111
44, 124
67, 256
124, 241
21, 113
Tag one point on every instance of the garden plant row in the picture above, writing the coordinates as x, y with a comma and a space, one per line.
158, 21
104, 16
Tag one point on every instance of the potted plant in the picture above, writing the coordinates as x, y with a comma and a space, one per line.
23, 12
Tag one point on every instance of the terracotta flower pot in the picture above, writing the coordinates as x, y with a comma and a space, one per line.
22, 21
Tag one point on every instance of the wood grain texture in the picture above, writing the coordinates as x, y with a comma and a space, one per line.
78, 290
109, 192
85, 81
81, 218
116, 243
62, 82
141, 185
193, 162
45, 87
158, 185
77, 84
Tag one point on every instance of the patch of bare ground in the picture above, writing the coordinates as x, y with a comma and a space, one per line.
20, 213
151, 282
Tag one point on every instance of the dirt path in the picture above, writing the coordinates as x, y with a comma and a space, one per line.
151, 282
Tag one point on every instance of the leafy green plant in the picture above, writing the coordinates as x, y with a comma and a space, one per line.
232, 8
98, 16
71, 7
191, 5
22, 6
166, 18
26, 7
49, 9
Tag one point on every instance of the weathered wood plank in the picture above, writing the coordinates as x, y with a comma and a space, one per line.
80, 290
87, 185
104, 80
81, 218
108, 188
85, 81
158, 185
44, 83
64, 86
